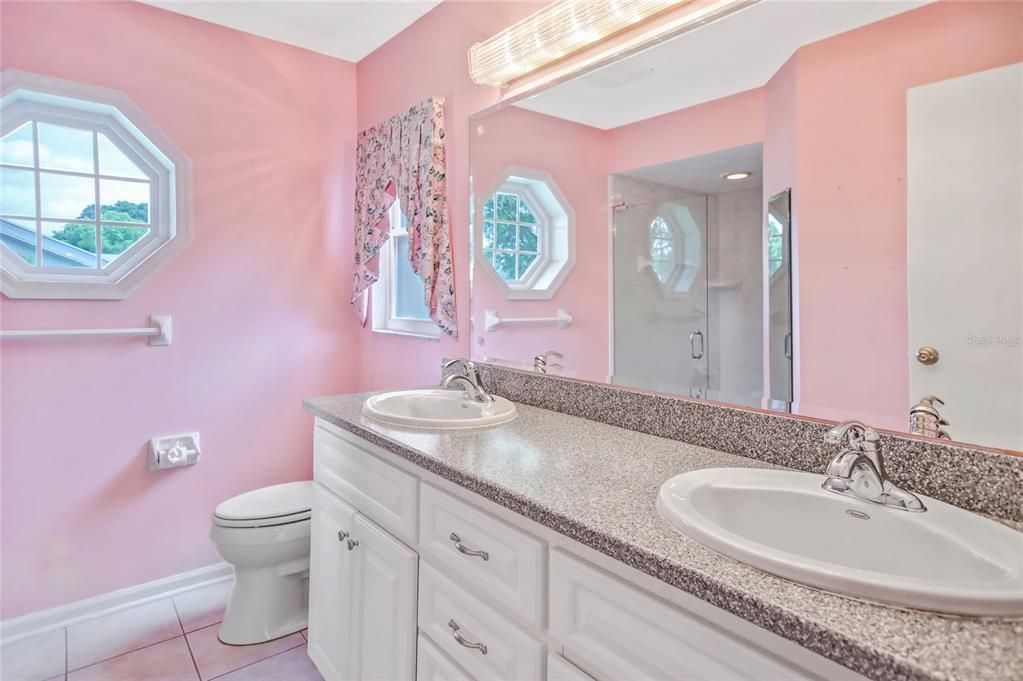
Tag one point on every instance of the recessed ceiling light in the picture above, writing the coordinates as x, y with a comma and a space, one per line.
737, 175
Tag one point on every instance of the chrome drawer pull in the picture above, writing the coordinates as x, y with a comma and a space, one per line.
469, 552
482, 647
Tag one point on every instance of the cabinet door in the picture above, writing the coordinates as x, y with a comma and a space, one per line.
330, 585
384, 605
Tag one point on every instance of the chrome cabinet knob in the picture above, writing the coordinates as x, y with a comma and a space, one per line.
352, 543
342, 535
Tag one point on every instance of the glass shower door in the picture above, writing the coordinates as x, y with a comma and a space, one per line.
661, 296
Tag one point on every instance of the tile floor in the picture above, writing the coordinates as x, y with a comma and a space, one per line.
174, 639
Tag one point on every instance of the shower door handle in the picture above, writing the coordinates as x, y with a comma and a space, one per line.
788, 346
696, 354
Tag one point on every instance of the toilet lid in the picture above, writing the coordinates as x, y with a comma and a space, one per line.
287, 502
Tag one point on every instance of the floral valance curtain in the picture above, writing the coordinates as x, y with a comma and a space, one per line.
403, 159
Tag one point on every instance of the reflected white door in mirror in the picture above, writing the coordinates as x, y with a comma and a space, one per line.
412, 576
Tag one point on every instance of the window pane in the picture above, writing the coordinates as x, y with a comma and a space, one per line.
489, 255
505, 236
20, 237
525, 260
66, 196
488, 234
504, 263
529, 239
116, 240
17, 192
507, 206
124, 201
408, 287
69, 245
525, 214
16, 147
659, 228
488, 210
63, 148
112, 160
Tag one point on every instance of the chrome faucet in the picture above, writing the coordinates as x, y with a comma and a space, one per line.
858, 470
469, 380
540, 361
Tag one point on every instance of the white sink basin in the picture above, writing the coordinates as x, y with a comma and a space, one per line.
437, 408
944, 559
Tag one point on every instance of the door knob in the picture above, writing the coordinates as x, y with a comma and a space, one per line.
927, 355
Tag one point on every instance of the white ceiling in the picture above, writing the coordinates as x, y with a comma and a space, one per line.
702, 174
736, 53
348, 29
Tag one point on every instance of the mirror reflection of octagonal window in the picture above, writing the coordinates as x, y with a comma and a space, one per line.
525, 234
675, 248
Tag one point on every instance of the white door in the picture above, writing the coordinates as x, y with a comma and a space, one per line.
383, 601
965, 251
330, 585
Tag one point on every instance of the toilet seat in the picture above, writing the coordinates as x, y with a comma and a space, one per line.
271, 506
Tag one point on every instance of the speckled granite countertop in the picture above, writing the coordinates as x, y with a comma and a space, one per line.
597, 484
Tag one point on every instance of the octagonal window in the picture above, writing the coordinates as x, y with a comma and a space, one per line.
93, 197
525, 236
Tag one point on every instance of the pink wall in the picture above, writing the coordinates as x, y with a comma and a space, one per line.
429, 58
259, 300
851, 205
576, 156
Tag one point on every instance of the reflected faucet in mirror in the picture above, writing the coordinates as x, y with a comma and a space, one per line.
540, 364
925, 420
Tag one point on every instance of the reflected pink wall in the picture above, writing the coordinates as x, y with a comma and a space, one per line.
724, 123
259, 301
576, 156
429, 59
850, 197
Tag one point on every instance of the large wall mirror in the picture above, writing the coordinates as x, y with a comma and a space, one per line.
808, 207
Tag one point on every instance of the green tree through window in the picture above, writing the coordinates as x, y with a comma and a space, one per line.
115, 239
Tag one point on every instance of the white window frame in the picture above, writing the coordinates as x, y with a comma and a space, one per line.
27, 97
556, 235
384, 315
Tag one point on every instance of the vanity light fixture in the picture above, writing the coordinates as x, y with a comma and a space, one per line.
566, 27
737, 175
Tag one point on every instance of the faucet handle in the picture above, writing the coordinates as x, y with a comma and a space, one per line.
856, 434
452, 362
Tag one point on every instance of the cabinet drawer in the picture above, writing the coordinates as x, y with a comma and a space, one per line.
512, 653
560, 669
378, 490
512, 577
615, 631
434, 665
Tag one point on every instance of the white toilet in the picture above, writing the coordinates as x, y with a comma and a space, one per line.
264, 534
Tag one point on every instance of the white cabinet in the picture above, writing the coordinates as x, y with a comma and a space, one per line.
615, 631
362, 596
560, 669
487, 580
492, 558
433, 665
476, 636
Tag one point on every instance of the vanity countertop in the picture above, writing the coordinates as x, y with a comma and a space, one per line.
597, 484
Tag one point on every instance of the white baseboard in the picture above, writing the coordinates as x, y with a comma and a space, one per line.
64, 615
